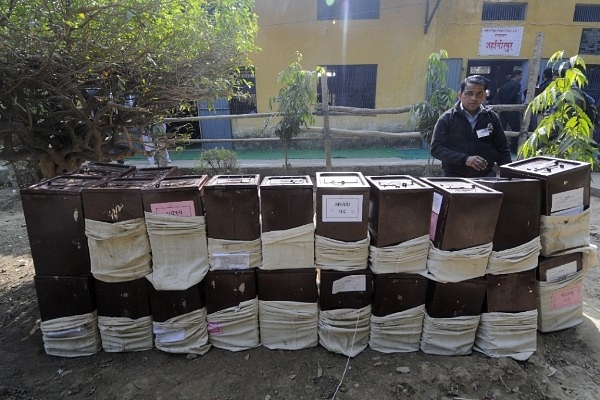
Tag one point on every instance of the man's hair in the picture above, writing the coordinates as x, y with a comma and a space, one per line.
474, 79
516, 72
547, 73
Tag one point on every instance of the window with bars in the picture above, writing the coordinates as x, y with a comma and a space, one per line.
245, 104
590, 41
586, 13
347, 9
351, 85
504, 11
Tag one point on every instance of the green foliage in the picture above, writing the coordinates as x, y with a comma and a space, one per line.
218, 161
440, 99
295, 101
565, 130
83, 72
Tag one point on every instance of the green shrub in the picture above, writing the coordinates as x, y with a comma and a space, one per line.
218, 161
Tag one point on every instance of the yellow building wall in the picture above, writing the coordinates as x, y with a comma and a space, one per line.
397, 43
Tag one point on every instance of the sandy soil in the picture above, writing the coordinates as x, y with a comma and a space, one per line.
566, 364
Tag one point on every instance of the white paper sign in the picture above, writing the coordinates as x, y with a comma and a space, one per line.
224, 262
561, 272
352, 283
169, 335
436, 206
501, 41
342, 208
567, 200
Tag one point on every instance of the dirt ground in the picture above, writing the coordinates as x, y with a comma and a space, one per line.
566, 364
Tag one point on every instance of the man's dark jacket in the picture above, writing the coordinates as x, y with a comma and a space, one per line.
454, 141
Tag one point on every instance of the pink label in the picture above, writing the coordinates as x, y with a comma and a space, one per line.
214, 328
175, 208
567, 297
433, 225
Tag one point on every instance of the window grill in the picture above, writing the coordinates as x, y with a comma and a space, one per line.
504, 12
347, 9
351, 85
586, 13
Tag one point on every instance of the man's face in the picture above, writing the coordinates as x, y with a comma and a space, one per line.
472, 97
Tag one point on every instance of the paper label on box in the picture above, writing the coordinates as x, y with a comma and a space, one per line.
436, 206
342, 208
433, 225
567, 297
175, 208
224, 261
168, 335
567, 200
561, 272
352, 283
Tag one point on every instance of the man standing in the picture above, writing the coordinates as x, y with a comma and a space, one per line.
469, 138
510, 93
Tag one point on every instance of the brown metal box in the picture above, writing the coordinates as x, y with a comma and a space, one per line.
299, 285
342, 206
519, 217
232, 207
455, 299
167, 304
128, 299
399, 209
64, 296
286, 202
181, 196
105, 170
558, 268
511, 293
116, 200
225, 289
394, 293
463, 213
565, 183
54, 216
344, 289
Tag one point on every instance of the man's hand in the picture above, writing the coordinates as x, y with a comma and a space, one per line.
477, 163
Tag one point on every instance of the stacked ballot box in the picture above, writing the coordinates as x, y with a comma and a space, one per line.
564, 237
234, 254
341, 256
287, 278
399, 219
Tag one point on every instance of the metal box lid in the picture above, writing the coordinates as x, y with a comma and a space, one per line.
128, 183
104, 169
154, 172
286, 182
178, 183
341, 180
233, 181
397, 182
72, 184
543, 167
460, 187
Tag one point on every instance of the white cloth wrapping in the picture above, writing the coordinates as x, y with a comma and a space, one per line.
560, 304
120, 251
507, 334
235, 328
516, 259
564, 232
449, 336
458, 265
338, 255
345, 330
121, 334
179, 251
226, 255
399, 332
183, 334
288, 325
72, 336
408, 257
290, 248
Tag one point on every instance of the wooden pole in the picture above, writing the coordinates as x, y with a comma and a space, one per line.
325, 108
